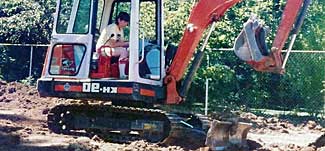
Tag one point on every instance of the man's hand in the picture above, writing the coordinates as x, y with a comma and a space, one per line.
126, 44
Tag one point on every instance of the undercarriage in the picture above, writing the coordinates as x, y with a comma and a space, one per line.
125, 124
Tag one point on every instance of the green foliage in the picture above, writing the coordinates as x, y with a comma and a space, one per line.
176, 20
312, 35
306, 82
232, 82
64, 15
147, 20
14, 64
82, 19
4, 60
28, 81
25, 21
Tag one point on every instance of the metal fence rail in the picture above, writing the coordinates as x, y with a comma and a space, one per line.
308, 65
34, 55
24, 48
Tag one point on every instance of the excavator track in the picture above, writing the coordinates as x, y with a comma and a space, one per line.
125, 124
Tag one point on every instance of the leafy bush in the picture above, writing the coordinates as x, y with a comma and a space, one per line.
28, 81
232, 82
25, 21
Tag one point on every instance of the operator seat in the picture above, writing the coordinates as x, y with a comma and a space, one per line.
106, 66
150, 67
153, 61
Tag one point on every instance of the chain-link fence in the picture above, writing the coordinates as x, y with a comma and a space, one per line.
323, 91
19, 61
300, 87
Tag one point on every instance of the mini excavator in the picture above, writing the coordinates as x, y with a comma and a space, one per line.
128, 109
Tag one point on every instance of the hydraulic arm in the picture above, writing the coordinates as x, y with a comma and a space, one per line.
208, 11
273, 62
202, 15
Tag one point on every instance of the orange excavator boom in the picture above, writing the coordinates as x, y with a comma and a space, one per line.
207, 11
202, 15
273, 62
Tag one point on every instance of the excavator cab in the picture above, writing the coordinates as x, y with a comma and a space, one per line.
74, 67
112, 107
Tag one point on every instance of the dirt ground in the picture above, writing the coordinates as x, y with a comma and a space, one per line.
23, 127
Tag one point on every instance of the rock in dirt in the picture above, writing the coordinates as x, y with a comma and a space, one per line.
318, 128
292, 147
249, 116
7, 100
11, 90
321, 149
309, 148
311, 124
273, 120
96, 138
45, 111
2, 98
78, 147
3, 82
2, 91
320, 142
284, 131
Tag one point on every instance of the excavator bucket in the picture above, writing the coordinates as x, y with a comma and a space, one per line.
218, 135
250, 44
224, 135
239, 133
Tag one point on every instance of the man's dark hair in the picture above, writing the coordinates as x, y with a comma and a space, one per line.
122, 16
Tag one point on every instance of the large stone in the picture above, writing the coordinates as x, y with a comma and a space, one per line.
308, 149
311, 124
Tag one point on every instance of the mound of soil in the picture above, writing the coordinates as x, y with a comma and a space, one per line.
23, 127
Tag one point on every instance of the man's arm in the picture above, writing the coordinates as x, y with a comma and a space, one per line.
102, 39
113, 43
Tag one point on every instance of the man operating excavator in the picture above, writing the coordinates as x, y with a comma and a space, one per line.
113, 36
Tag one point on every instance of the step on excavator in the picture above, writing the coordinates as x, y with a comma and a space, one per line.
132, 108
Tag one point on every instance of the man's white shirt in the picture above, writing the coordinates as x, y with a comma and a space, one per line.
111, 31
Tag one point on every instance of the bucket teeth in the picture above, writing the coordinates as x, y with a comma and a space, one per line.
218, 135
224, 134
240, 134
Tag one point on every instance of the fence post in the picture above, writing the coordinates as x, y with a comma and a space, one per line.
31, 60
207, 89
206, 96
323, 100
